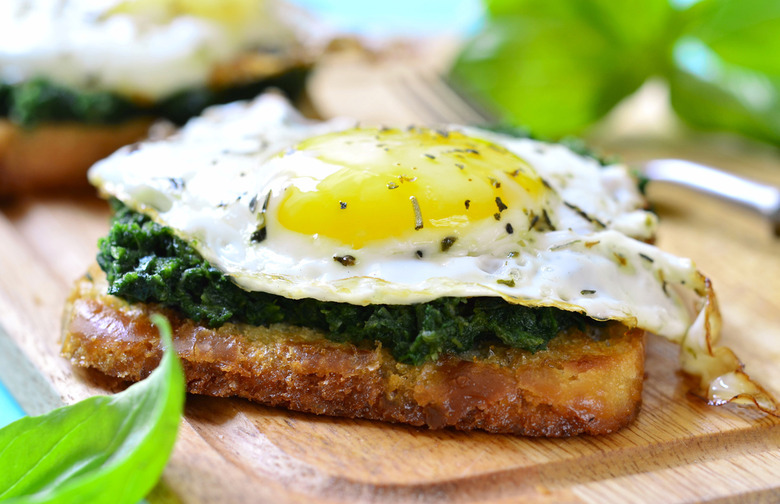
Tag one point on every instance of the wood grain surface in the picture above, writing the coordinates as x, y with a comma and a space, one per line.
228, 450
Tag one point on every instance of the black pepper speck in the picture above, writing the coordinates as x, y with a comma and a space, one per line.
447, 242
259, 235
345, 260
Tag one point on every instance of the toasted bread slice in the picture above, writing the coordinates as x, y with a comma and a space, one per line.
580, 384
57, 155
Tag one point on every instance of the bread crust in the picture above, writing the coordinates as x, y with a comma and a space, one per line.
578, 385
57, 155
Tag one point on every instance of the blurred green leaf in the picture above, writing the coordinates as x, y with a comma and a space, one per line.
559, 66
745, 33
101, 450
726, 72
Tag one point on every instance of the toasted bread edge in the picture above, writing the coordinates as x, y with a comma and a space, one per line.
577, 386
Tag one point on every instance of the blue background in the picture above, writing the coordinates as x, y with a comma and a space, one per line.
9, 409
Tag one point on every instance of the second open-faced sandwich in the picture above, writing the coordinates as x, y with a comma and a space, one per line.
79, 79
442, 277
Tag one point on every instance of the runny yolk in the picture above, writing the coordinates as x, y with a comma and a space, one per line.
391, 183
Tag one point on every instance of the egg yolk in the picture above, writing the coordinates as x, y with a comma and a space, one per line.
392, 183
227, 12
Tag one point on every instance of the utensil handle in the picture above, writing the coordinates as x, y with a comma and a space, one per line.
761, 198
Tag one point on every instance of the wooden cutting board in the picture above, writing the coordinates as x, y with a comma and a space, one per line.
678, 450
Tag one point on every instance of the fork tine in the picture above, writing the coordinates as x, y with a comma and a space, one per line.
459, 111
437, 100
477, 108
412, 91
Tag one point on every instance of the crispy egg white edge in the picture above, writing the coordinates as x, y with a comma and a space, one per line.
566, 268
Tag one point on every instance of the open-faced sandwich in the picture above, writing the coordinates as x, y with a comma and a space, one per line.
80, 78
442, 277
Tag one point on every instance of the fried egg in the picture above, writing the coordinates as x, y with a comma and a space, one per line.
143, 49
341, 212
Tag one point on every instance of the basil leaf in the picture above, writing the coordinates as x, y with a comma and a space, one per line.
726, 70
742, 32
558, 66
105, 449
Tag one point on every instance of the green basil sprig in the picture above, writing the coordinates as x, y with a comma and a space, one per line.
558, 67
105, 449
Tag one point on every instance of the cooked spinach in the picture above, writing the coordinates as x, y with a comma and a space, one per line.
146, 262
33, 101
5, 99
180, 106
40, 100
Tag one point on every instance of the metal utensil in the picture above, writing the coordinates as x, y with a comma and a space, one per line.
761, 198
437, 100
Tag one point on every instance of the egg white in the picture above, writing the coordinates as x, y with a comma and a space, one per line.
201, 182
137, 51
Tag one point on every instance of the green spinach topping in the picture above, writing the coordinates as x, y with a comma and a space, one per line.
146, 262
5, 99
32, 102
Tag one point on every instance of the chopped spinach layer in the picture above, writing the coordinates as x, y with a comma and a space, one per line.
34, 101
5, 99
40, 100
146, 262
